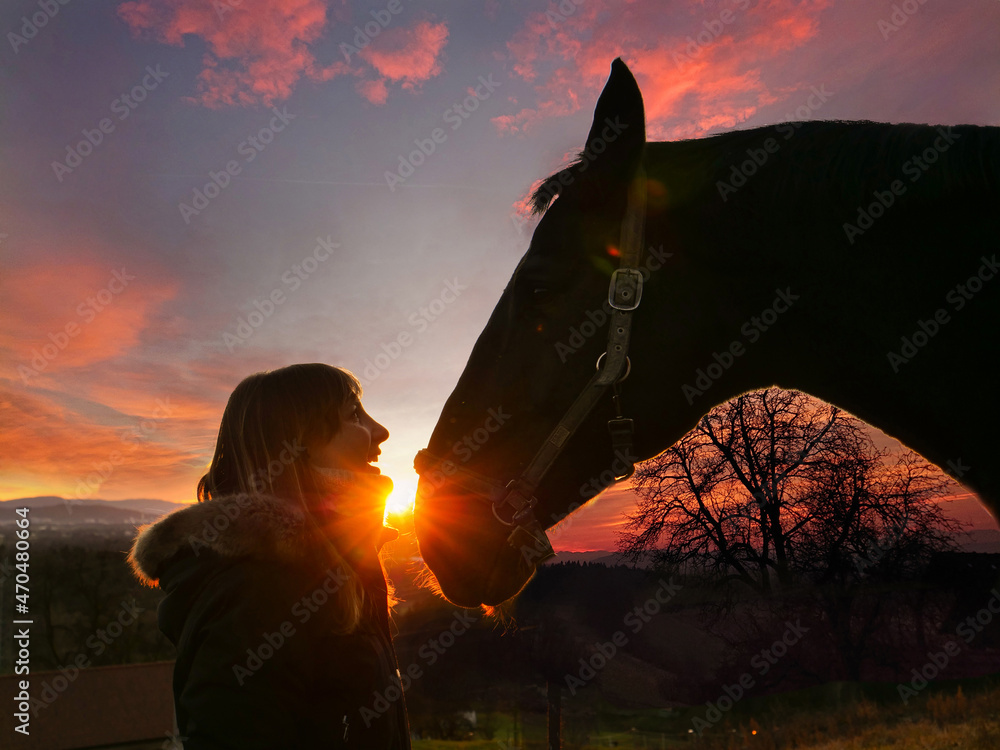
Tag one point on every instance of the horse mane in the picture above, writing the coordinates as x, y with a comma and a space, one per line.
861, 156
864, 156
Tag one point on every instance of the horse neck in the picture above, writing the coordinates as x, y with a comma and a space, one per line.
847, 306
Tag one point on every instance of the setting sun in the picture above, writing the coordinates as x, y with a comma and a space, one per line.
400, 500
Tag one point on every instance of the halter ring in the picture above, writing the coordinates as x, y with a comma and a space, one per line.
628, 366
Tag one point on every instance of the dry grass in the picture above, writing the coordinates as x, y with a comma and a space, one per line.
954, 719
938, 722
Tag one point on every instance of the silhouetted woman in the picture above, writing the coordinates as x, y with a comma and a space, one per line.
276, 598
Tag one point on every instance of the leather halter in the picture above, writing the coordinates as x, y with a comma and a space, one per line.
513, 503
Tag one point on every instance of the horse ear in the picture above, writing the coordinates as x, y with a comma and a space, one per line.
618, 134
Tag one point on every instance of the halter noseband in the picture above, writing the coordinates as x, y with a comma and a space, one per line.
513, 503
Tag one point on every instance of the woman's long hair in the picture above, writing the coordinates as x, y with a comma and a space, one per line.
261, 450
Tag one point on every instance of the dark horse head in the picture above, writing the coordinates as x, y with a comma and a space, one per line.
804, 255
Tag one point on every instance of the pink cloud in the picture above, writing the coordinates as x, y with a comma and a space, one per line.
256, 55
408, 56
374, 91
703, 64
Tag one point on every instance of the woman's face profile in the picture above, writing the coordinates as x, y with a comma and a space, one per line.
354, 445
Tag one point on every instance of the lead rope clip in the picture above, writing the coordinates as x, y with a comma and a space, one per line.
621, 429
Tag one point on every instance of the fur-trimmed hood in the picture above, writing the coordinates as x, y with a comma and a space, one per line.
258, 526
218, 607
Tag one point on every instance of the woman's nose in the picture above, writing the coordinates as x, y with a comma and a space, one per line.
379, 433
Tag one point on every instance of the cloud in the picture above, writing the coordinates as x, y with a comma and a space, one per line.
73, 311
700, 67
62, 450
257, 53
374, 91
407, 56
410, 55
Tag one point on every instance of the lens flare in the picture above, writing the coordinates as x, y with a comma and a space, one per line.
400, 500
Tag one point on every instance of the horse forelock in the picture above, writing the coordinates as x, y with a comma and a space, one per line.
553, 185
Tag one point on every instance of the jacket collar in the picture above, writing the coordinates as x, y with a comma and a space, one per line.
262, 527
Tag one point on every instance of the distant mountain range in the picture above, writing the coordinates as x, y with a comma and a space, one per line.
57, 510
51, 509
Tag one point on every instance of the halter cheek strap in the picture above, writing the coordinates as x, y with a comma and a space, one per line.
513, 502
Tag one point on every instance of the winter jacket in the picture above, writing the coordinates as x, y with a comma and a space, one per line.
248, 605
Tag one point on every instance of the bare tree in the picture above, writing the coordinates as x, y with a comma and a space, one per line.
775, 490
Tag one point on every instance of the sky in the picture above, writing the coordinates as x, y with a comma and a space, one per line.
196, 190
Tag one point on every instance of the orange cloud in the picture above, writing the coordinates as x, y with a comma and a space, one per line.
59, 450
699, 67
71, 312
147, 431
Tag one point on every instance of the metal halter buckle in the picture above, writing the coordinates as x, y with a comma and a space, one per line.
623, 281
519, 513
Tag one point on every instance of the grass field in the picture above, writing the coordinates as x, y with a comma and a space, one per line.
840, 716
